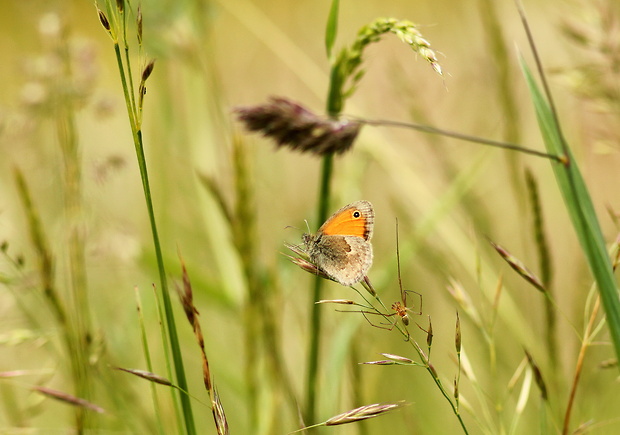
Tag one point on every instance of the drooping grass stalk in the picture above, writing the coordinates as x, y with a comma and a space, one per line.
576, 196
461, 136
135, 120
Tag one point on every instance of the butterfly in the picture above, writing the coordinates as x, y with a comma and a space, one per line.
341, 247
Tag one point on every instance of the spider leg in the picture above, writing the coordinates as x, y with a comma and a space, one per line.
410, 309
381, 326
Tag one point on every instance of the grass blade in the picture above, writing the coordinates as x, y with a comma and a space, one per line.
579, 205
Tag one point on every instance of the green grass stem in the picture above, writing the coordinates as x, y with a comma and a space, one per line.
170, 324
315, 316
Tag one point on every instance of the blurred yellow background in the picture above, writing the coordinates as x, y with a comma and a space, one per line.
449, 196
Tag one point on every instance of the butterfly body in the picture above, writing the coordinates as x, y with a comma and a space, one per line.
341, 247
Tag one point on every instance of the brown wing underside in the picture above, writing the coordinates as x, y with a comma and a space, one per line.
344, 258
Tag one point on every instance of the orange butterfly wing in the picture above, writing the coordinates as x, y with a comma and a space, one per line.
356, 219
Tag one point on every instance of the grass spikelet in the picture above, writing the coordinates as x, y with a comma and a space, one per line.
363, 413
457, 335
358, 414
221, 423
519, 267
148, 69
429, 334
187, 301
392, 360
70, 399
537, 376
337, 301
149, 376
103, 19
397, 358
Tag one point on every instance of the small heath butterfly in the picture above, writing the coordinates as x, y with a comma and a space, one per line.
341, 247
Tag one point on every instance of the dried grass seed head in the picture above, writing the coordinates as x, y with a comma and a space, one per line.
292, 125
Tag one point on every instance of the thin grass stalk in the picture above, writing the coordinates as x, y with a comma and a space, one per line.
128, 64
149, 364
431, 370
168, 321
334, 105
460, 136
315, 316
161, 316
579, 366
170, 324
576, 197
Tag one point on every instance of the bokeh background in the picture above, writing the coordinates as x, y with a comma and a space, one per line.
449, 197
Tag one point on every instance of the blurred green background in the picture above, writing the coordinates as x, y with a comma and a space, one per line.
448, 196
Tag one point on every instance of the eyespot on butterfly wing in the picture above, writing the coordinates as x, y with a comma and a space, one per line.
356, 219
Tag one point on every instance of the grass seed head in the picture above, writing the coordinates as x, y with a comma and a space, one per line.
519, 267
293, 126
537, 376
148, 69
104, 20
68, 398
218, 414
457, 334
147, 375
429, 333
363, 413
398, 358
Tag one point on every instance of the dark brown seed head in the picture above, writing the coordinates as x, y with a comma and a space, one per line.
104, 20
291, 125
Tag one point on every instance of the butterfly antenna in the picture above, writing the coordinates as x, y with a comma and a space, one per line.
307, 225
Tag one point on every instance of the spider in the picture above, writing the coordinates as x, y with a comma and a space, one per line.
401, 309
